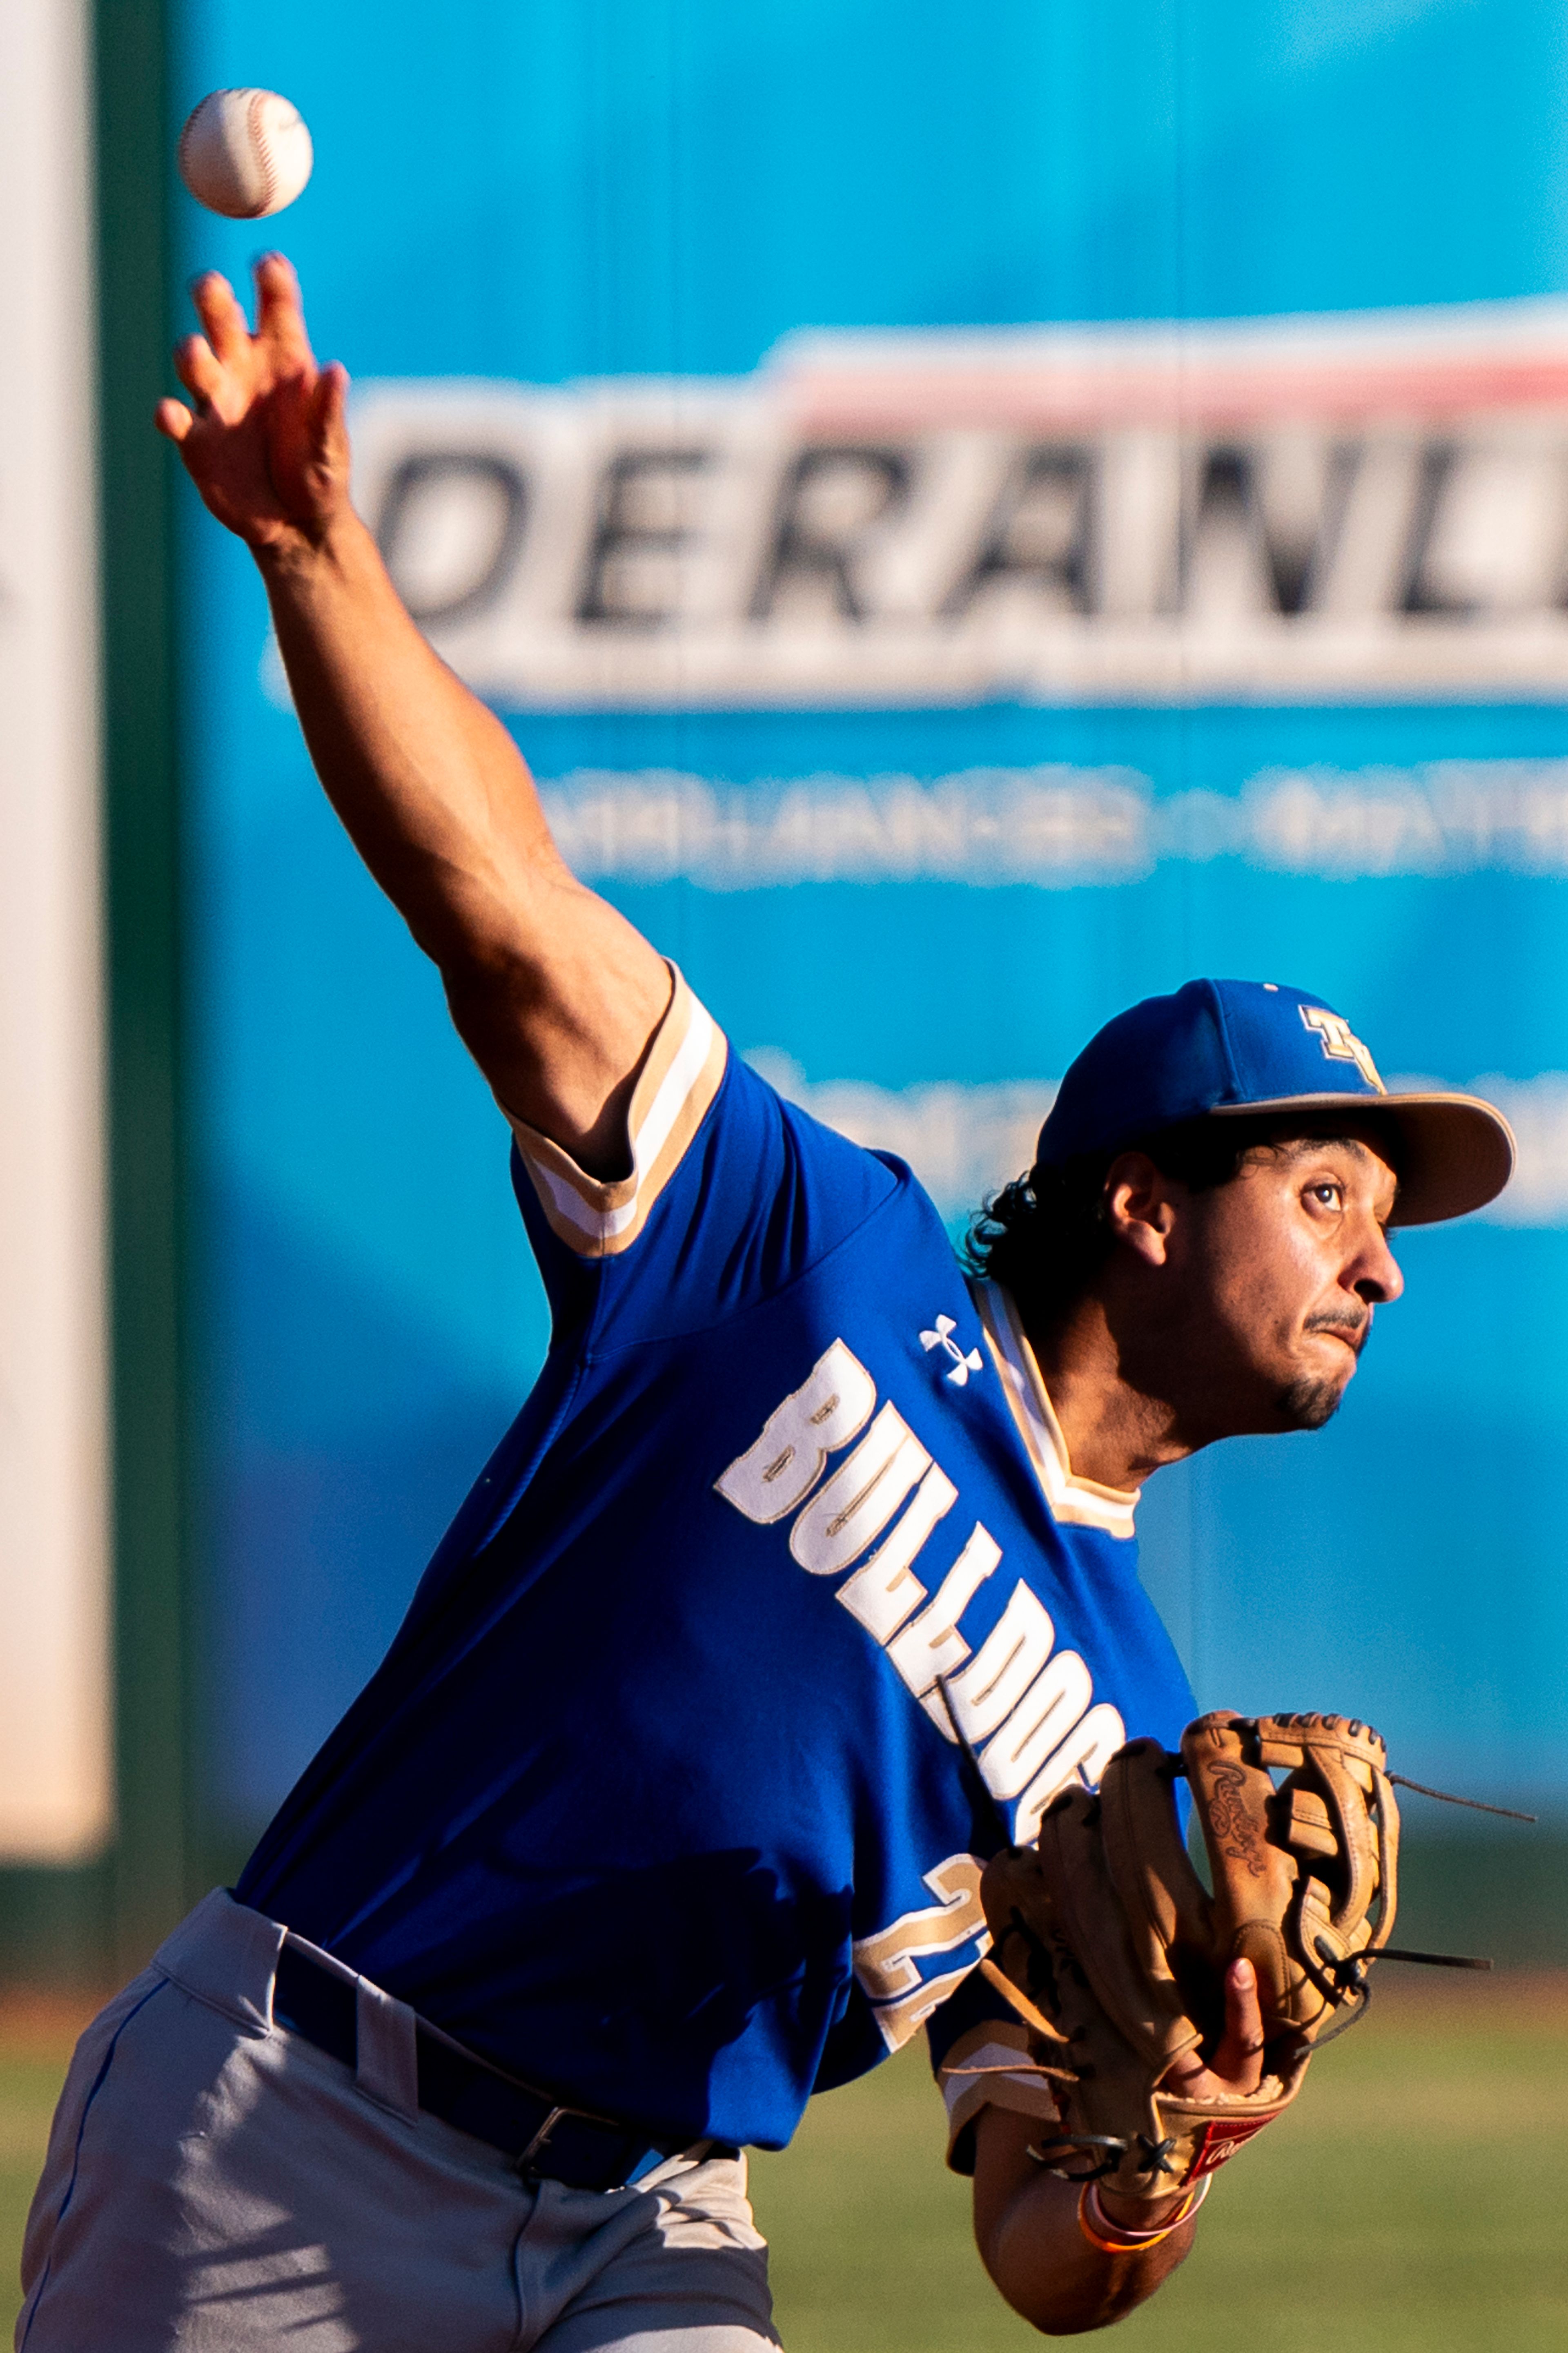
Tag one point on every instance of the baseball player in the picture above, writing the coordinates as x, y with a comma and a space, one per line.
806, 1565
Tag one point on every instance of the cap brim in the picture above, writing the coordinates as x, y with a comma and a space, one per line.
1454, 1154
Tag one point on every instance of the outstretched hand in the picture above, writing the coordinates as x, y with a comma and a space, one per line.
264, 440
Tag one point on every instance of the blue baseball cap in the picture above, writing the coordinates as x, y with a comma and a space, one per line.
1230, 1049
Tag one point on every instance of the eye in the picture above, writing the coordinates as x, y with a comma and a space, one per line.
1327, 1193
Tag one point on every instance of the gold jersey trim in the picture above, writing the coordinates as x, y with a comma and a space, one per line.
675, 1088
1081, 1503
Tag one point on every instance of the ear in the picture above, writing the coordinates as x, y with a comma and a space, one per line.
1139, 1207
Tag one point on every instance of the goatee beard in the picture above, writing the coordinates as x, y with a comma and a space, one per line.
1308, 1405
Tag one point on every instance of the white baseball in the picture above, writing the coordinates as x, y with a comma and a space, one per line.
244, 154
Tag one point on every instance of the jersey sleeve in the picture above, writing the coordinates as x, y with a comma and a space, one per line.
980, 2057
674, 1089
730, 1194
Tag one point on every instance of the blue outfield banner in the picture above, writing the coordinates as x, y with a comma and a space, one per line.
973, 516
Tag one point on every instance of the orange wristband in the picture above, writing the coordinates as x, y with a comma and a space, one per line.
1090, 2212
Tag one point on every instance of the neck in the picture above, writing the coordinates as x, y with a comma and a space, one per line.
1117, 1434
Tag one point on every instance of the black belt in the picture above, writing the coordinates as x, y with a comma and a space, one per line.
544, 2139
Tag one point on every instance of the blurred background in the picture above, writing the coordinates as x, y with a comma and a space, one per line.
974, 515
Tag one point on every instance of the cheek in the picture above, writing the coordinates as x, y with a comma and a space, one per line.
1272, 1280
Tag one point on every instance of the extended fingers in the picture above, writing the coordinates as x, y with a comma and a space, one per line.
329, 406
173, 419
280, 314
326, 440
198, 368
222, 321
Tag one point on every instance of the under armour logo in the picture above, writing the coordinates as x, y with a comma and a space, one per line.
1340, 1042
962, 1365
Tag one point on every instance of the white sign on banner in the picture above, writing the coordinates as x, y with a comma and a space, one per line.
54, 1786
1370, 507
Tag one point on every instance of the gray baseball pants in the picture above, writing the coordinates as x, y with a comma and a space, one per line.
217, 2184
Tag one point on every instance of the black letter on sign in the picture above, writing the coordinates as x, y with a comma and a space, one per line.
639, 518
1438, 460
1040, 529
1290, 554
398, 532
830, 502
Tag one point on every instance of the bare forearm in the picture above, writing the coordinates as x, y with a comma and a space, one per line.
1046, 2269
429, 782
554, 992
1026, 2227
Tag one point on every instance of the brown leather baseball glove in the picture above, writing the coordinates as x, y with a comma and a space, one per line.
1108, 1945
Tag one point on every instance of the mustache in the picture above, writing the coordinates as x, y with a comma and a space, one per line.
1355, 1330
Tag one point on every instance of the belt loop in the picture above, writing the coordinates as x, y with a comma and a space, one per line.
387, 2067
226, 1955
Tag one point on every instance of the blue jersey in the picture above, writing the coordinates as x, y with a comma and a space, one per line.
653, 1800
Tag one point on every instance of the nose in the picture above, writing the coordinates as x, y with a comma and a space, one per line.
1377, 1276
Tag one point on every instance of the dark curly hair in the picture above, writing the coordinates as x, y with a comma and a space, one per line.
1046, 1236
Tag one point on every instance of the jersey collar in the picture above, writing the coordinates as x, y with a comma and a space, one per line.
1081, 1503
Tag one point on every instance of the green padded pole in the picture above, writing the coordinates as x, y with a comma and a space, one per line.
143, 837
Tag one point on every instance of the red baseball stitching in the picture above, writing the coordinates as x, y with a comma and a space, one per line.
263, 149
